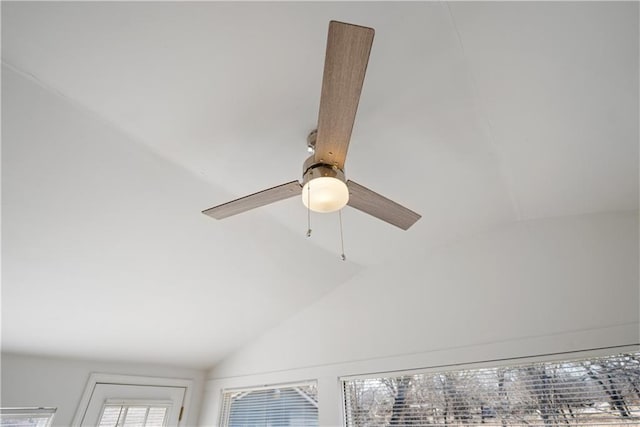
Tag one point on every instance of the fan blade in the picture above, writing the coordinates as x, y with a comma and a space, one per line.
345, 65
255, 200
379, 206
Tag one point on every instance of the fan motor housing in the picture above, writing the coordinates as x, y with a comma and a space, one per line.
313, 170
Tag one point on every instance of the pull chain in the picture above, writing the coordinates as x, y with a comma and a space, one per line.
342, 255
308, 209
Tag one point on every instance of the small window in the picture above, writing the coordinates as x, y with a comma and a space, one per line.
123, 400
26, 417
272, 406
590, 392
134, 414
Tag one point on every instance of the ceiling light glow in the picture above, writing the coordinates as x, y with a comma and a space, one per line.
325, 194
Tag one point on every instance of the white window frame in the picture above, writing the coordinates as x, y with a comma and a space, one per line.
101, 378
506, 362
499, 362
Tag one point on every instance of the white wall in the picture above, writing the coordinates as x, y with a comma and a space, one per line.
52, 382
531, 288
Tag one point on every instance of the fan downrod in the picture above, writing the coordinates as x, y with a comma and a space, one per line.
311, 141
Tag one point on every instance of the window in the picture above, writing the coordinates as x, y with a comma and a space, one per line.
272, 406
111, 400
26, 417
134, 414
597, 391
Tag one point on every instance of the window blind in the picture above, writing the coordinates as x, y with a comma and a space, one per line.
26, 417
134, 415
589, 392
272, 406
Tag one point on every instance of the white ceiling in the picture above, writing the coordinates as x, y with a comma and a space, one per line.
122, 121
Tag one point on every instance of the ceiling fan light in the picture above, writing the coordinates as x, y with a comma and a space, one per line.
326, 194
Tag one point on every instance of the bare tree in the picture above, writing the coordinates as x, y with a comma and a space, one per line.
399, 388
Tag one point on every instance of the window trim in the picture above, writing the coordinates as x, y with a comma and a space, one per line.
96, 378
224, 413
270, 386
498, 362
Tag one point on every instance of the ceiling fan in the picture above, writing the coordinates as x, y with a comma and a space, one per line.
324, 187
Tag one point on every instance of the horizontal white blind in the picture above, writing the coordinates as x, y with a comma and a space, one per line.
26, 417
597, 392
277, 406
114, 415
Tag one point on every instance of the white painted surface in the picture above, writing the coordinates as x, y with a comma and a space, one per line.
105, 246
141, 114
60, 383
558, 83
541, 286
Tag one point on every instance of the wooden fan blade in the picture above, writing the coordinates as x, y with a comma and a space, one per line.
255, 200
379, 206
348, 48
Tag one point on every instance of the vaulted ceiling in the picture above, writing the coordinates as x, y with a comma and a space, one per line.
122, 121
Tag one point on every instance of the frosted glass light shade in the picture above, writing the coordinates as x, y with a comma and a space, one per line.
327, 194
